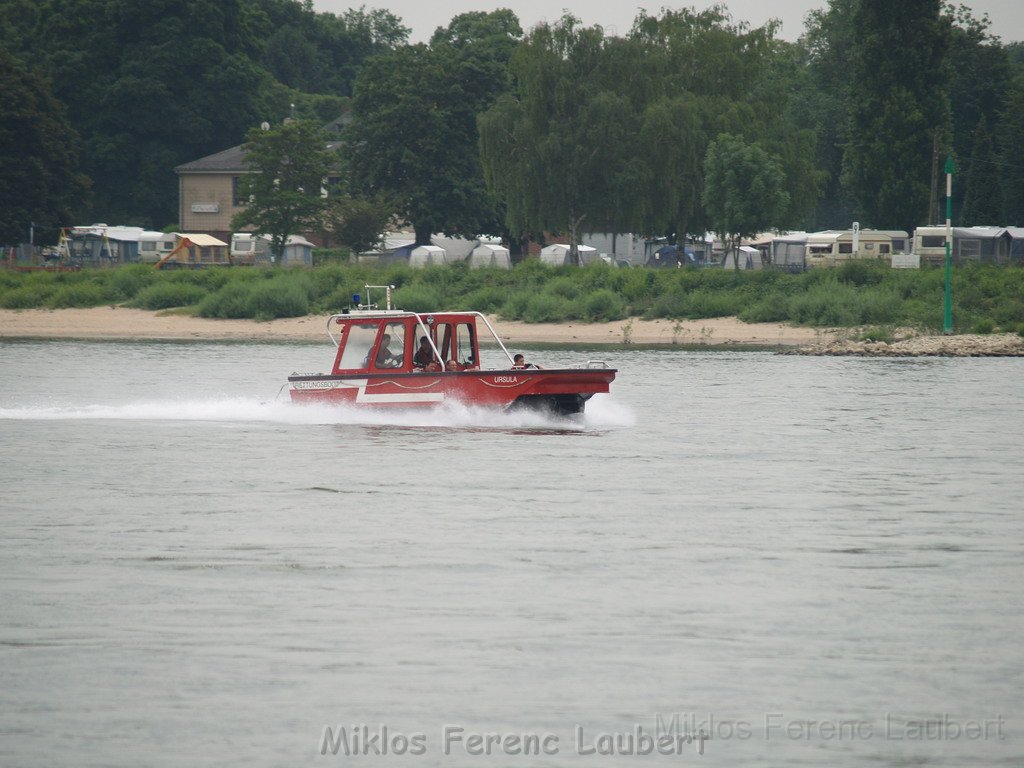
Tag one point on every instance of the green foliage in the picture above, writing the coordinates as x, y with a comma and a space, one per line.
868, 294
602, 305
773, 308
416, 124
127, 281
268, 300
149, 86
290, 161
741, 188
359, 223
566, 287
26, 297
39, 177
900, 105
418, 298
545, 308
231, 301
80, 294
486, 300
166, 295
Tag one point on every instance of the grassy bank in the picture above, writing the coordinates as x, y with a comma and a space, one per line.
985, 298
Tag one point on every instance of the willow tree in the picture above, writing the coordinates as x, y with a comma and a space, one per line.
550, 151
704, 74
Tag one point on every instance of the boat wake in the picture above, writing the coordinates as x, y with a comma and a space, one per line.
602, 413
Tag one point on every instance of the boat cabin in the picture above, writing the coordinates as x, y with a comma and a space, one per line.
391, 341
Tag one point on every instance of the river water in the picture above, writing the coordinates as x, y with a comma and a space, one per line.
808, 561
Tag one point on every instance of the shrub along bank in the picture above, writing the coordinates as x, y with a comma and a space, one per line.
985, 298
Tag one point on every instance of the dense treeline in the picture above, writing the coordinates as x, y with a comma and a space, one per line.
147, 85
691, 121
857, 294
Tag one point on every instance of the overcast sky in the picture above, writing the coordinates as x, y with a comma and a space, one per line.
616, 16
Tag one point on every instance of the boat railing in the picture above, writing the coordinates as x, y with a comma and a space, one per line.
423, 324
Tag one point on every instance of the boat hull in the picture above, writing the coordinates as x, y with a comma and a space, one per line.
562, 391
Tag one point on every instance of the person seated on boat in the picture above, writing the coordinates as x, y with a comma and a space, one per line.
385, 358
424, 355
519, 363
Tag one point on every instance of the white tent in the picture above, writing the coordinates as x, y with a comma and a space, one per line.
426, 256
558, 254
746, 258
455, 248
490, 255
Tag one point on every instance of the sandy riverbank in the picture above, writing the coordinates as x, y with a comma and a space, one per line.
121, 323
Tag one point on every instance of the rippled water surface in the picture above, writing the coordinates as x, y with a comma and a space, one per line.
812, 561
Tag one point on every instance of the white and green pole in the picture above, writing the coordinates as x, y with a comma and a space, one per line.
947, 323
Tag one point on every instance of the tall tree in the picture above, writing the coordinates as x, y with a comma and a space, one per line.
40, 181
823, 103
289, 166
1010, 140
983, 200
899, 108
414, 134
981, 73
359, 223
742, 190
542, 150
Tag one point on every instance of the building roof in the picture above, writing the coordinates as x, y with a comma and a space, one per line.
203, 241
226, 161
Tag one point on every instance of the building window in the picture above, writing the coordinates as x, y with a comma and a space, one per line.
237, 199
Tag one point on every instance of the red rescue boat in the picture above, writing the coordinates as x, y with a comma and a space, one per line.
389, 358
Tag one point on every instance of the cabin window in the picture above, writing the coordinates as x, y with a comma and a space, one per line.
884, 248
933, 241
144, 246
846, 247
869, 246
444, 338
391, 348
358, 342
466, 345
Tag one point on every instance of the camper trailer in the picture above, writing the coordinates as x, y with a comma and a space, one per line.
988, 245
100, 245
248, 249
153, 246
831, 247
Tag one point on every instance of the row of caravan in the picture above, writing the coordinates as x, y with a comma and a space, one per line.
103, 245
985, 245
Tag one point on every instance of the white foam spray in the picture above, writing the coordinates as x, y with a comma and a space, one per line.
602, 413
